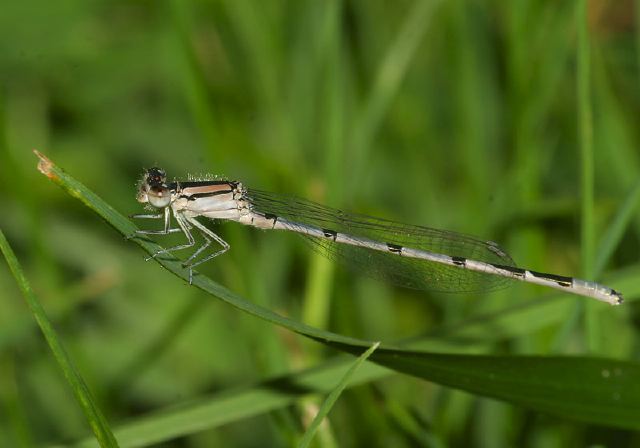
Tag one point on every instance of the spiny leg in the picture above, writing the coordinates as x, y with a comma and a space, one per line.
147, 216
184, 226
212, 236
167, 224
207, 243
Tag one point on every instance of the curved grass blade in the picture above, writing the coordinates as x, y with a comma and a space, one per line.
96, 420
594, 390
590, 389
277, 393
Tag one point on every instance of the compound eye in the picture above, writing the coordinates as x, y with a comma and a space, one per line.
159, 197
156, 176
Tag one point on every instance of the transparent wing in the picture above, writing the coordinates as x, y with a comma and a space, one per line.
408, 272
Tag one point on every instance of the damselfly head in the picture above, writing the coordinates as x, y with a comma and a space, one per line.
153, 190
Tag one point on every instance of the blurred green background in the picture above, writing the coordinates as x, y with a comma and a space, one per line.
454, 114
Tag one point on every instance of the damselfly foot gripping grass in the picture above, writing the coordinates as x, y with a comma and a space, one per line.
411, 256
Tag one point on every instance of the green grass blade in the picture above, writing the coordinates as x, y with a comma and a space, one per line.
242, 403
596, 390
277, 393
615, 231
95, 418
333, 397
388, 80
231, 406
585, 131
581, 388
636, 9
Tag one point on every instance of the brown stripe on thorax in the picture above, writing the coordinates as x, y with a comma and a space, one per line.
211, 189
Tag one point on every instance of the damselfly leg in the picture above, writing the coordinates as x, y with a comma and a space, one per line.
185, 228
185, 225
208, 235
167, 224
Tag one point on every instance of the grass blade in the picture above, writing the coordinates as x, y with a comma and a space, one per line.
333, 397
616, 229
585, 131
388, 79
595, 390
95, 418
579, 388
234, 405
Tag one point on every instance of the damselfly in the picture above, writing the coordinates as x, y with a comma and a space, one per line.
411, 256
